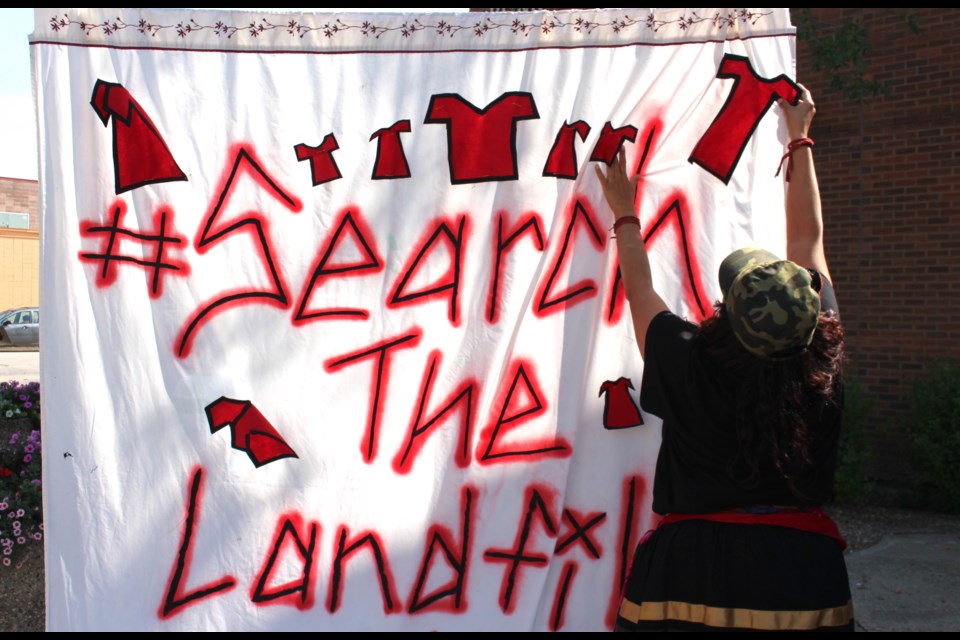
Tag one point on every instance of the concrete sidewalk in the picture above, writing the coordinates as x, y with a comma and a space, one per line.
907, 582
20, 365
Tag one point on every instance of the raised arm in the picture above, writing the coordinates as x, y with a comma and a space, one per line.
804, 219
645, 303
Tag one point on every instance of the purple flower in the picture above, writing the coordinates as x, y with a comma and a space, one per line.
28, 405
28, 448
27, 458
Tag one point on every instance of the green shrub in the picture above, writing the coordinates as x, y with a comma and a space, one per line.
852, 483
934, 430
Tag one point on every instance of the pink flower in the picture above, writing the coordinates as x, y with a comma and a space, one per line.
21, 540
6, 562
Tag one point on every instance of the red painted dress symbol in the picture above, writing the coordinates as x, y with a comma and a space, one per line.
608, 146
323, 168
562, 161
140, 156
391, 161
249, 430
619, 409
721, 146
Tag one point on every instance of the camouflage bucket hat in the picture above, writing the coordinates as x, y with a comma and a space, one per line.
771, 303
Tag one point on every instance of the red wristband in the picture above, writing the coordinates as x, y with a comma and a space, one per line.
625, 220
788, 156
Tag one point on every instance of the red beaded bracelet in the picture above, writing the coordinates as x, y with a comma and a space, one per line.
625, 220
788, 156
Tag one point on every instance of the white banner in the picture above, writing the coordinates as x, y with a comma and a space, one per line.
333, 333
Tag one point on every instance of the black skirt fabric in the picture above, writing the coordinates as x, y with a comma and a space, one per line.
714, 576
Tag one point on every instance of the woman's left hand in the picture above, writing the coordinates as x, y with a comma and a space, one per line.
619, 190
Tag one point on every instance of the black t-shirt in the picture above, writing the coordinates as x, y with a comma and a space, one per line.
699, 469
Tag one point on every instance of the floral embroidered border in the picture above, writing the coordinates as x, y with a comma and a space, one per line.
548, 23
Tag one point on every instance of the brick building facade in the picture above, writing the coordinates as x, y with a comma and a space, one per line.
19, 248
21, 196
889, 171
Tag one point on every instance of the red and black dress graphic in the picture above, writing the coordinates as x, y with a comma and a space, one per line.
481, 143
721, 146
391, 160
619, 409
249, 430
323, 168
562, 161
608, 146
140, 156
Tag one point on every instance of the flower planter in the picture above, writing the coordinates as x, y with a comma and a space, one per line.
9, 426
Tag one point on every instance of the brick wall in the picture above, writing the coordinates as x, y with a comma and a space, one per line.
19, 249
20, 196
889, 173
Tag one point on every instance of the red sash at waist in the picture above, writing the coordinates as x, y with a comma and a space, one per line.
813, 520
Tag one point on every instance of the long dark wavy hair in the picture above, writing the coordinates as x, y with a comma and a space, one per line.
776, 399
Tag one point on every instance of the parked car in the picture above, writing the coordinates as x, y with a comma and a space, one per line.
20, 326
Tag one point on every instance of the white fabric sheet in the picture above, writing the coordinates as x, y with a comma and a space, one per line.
252, 436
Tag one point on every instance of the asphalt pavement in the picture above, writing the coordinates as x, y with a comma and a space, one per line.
907, 582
